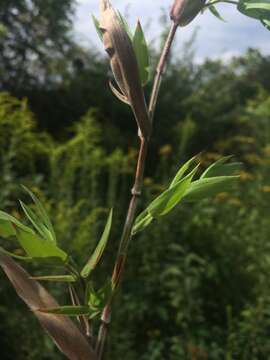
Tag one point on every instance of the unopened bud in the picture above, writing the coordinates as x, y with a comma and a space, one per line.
184, 11
124, 65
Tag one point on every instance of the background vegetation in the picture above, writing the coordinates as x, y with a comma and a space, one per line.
197, 284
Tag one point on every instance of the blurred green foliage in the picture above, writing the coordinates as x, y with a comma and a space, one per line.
197, 282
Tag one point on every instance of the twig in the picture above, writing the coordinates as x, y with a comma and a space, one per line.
83, 320
74, 301
136, 193
160, 70
221, 1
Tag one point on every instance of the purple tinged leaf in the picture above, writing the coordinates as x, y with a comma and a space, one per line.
67, 310
118, 94
62, 329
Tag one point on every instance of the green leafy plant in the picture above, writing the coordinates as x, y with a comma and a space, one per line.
91, 305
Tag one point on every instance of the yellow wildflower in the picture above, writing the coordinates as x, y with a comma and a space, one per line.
245, 139
148, 181
266, 150
253, 158
245, 176
235, 202
165, 150
221, 197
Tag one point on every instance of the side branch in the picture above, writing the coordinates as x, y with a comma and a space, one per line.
160, 70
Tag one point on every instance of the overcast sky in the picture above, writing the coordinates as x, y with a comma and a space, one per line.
214, 39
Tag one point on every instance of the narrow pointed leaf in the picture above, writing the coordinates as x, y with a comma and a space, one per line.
96, 256
142, 54
42, 212
181, 172
207, 187
34, 219
257, 9
167, 200
215, 12
142, 221
98, 299
266, 23
124, 24
171, 197
98, 30
6, 229
94, 314
15, 256
118, 94
67, 310
221, 168
4, 217
55, 278
62, 330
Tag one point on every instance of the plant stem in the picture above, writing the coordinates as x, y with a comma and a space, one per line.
221, 1
123, 246
160, 70
136, 193
83, 320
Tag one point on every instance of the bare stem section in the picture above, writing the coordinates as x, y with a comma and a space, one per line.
123, 246
160, 70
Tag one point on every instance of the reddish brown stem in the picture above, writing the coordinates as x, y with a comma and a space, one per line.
160, 70
136, 192
123, 247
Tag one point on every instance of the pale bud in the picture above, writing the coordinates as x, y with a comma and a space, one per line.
184, 11
124, 65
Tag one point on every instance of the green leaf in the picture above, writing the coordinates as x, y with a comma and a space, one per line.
4, 217
167, 200
181, 172
6, 229
94, 314
257, 9
56, 278
34, 219
142, 53
141, 222
96, 24
67, 310
215, 12
124, 24
98, 299
171, 197
18, 257
42, 213
208, 187
220, 168
266, 23
254, 6
36, 247
96, 256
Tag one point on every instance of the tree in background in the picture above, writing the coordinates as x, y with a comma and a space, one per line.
35, 36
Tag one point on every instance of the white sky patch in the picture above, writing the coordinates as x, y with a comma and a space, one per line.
214, 39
